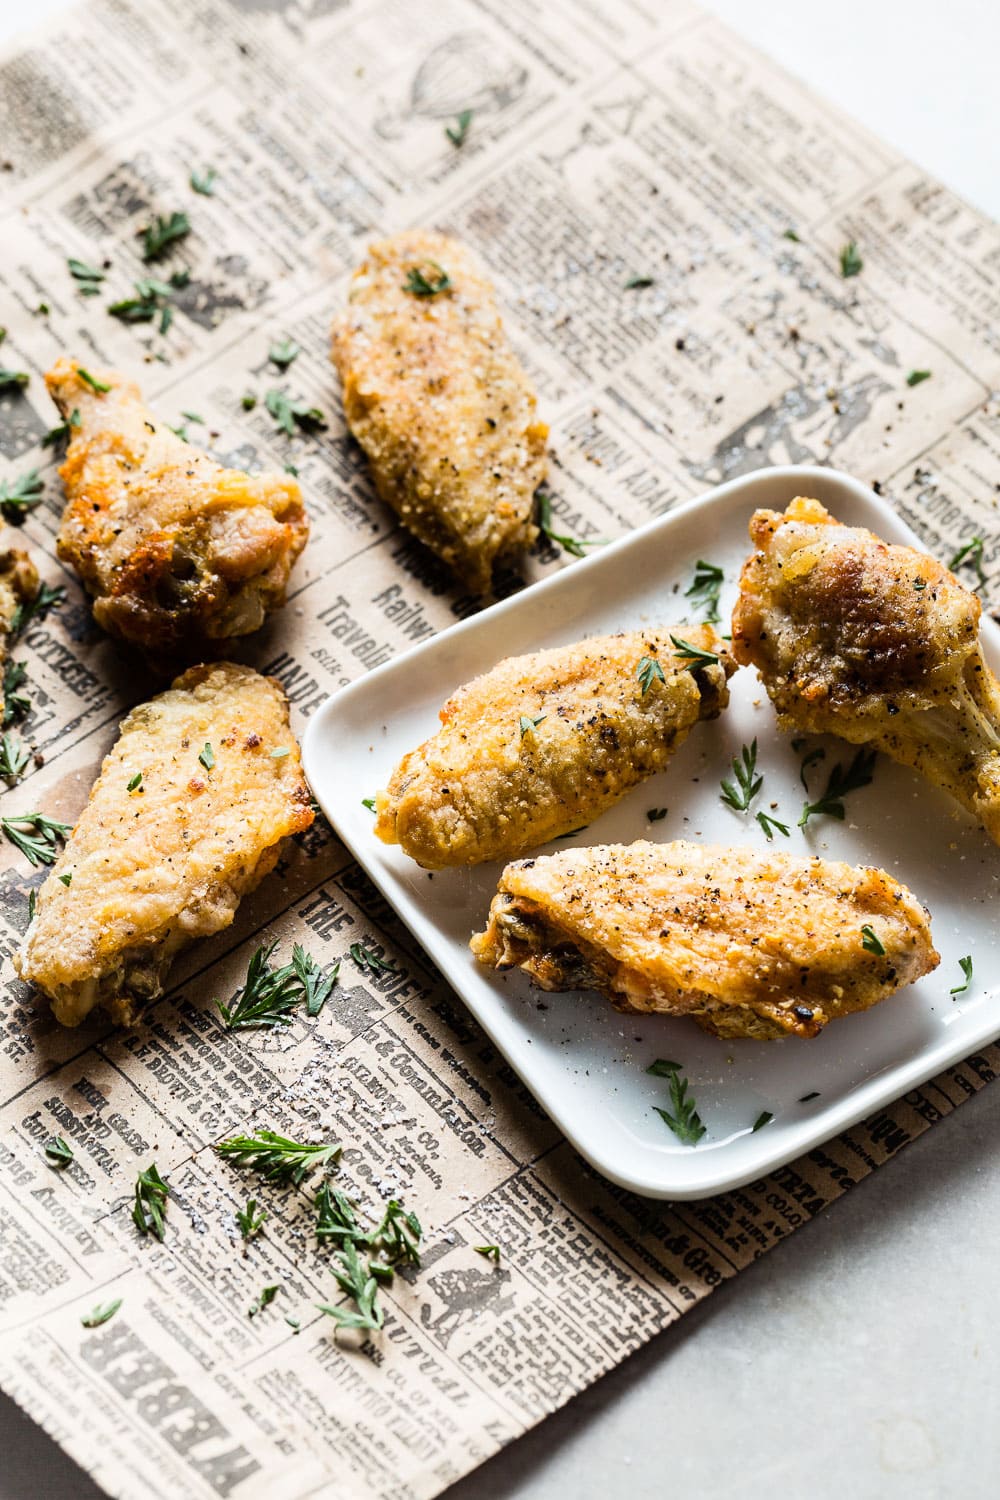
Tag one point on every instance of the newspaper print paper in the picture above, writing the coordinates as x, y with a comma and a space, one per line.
608, 141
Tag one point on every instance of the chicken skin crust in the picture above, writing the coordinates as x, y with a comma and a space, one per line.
748, 944
544, 743
18, 585
876, 643
186, 816
439, 402
176, 550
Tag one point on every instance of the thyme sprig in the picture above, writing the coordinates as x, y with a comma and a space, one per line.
277, 1158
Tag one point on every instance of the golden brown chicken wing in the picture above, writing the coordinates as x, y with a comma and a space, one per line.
746, 943
18, 586
439, 402
186, 817
544, 743
176, 550
876, 643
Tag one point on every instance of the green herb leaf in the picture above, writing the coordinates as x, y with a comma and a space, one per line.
965, 964
850, 261
292, 1322
248, 401
648, 671
807, 1097
335, 1219
367, 958
45, 600
13, 380
527, 724
32, 903
662, 1068
290, 414
35, 835
656, 814
151, 1193
58, 1153
135, 782
162, 232
770, 824
916, 377
15, 757
456, 133
841, 781
693, 655
739, 797
704, 591
63, 431
354, 1276
88, 379
204, 183
268, 996
317, 987
88, 278
67, 879
870, 940
397, 1237
790, 234
491, 1252
764, 1118
683, 1120
368, 802
16, 703
570, 544
20, 496
263, 1299
277, 1158
284, 353
102, 1313
281, 752
971, 553
250, 1222
421, 285
207, 756
639, 283
809, 760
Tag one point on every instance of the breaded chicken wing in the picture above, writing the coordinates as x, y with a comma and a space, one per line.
876, 643
544, 743
18, 586
746, 943
176, 550
186, 816
436, 397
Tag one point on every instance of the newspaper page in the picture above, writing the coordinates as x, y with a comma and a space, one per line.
610, 140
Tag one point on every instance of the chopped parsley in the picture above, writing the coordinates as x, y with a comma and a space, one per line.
456, 133
359, 1280
965, 964
421, 285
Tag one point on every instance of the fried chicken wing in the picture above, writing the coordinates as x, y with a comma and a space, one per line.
436, 397
18, 586
176, 550
186, 816
876, 643
746, 943
544, 743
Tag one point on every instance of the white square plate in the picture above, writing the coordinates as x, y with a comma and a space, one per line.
584, 1061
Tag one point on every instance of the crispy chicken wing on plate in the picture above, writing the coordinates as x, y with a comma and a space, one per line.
176, 550
874, 642
186, 816
438, 400
747, 943
544, 743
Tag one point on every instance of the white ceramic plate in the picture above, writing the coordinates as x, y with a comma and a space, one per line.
585, 1062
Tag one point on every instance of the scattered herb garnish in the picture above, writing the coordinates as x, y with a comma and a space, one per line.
268, 995
135, 782
20, 496
870, 940
368, 802
102, 1313
398, 1235
263, 1299
850, 261
915, 377
207, 756
15, 757
46, 599
317, 987
806, 1097
639, 283
808, 760
570, 544
769, 824
648, 671
355, 1277
965, 964
151, 1192
789, 234
656, 814
972, 553
32, 903
764, 1118
491, 1252
16, 703
62, 431
277, 1158
35, 835
248, 401
11, 380
693, 655
204, 182
366, 958
456, 133
289, 414
421, 285
284, 353
58, 1153
527, 724
88, 278
88, 379
841, 781
685, 1122
662, 1068
162, 232
704, 590
66, 879
739, 797
149, 301
335, 1218
250, 1222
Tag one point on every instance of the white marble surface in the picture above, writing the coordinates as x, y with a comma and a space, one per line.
860, 1359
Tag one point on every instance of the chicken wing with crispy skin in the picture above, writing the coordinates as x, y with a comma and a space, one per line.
438, 400
186, 816
747, 943
176, 550
544, 743
18, 586
876, 643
